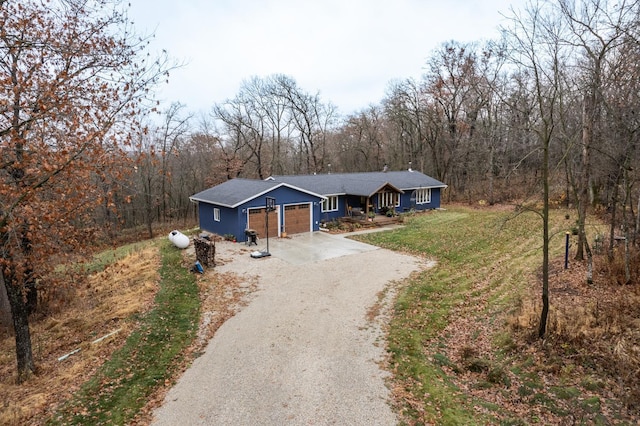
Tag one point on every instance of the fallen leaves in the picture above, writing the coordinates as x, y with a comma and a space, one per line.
591, 335
222, 296
92, 310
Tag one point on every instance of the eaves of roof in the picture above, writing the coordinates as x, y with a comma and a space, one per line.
361, 184
225, 200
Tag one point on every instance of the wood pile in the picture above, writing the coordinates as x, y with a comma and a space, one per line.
205, 251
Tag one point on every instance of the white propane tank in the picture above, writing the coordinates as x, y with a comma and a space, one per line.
179, 239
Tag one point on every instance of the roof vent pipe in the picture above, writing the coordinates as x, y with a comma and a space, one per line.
385, 168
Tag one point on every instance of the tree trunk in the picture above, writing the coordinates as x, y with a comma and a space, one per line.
29, 284
542, 329
491, 175
637, 230
583, 196
625, 222
589, 262
627, 257
19, 310
571, 193
5, 307
612, 227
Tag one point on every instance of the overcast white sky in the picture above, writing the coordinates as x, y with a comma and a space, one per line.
347, 50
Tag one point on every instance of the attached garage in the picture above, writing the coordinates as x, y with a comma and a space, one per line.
298, 218
258, 221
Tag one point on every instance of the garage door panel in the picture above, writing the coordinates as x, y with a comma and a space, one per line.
258, 222
297, 218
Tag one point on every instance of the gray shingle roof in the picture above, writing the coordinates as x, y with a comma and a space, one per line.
235, 192
365, 184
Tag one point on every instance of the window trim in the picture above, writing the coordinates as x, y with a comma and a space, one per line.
216, 214
332, 202
394, 196
423, 196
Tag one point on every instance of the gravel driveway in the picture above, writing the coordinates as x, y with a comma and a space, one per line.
302, 352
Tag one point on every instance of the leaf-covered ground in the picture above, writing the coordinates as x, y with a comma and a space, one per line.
106, 302
112, 299
462, 340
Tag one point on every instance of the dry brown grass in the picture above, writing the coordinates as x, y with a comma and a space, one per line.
76, 314
79, 314
594, 325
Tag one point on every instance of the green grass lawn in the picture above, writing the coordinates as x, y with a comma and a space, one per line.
150, 356
484, 261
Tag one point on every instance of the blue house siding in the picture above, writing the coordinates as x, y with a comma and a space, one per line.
436, 194
328, 216
406, 203
235, 220
228, 219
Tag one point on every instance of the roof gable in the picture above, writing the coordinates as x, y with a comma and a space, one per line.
235, 192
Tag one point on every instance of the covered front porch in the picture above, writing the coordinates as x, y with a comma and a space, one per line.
382, 203
361, 222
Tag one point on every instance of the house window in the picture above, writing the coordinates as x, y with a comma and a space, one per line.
387, 199
216, 214
423, 196
330, 204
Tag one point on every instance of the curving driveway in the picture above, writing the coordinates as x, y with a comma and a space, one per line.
303, 351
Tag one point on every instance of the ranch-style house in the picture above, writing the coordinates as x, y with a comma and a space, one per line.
301, 203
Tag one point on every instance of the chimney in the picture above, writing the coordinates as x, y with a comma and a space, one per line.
385, 168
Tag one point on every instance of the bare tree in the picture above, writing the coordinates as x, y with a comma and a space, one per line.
235, 139
168, 136
145, 186
266, 119
595, 29
275, 118
360, 145
622, 125
452, 82
533, 37
312, 120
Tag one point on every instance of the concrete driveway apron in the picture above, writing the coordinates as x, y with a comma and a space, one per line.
312, 247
